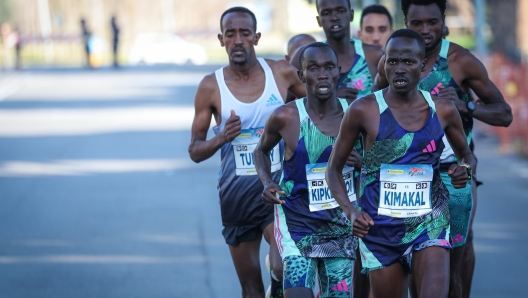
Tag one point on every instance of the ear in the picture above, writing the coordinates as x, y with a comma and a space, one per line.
351, 15
287, 58
339, 69
424, 62
221, 39
360, 36
257, 38
301, 76
318, 21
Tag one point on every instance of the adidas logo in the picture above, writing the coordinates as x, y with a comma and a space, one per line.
273, 101
342, 286
430, 148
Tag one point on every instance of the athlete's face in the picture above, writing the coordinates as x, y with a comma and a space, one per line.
334, 17
375, 29
428, 21
320, 72
239, 37
403, 64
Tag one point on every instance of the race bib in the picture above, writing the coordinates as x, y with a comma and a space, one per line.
319, 195
405, 190
243, 147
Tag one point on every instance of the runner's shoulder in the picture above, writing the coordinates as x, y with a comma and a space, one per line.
208, 89
280, 67
364, 104
208, 83
282, 115
460, 55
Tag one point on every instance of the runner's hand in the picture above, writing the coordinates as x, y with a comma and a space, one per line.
459, 176
360, 222
354, 159
269, 194
232, 128
350, 94
450, 93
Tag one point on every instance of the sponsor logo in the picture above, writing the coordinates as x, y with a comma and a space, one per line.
395, 172
415, 171
273, 101
244, 135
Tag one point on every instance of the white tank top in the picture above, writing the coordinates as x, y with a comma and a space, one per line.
253, 114
238, 183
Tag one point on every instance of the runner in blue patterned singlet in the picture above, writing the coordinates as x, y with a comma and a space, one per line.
404, 217
240, 97
311, 230
451, 72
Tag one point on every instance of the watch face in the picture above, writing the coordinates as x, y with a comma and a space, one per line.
471, 106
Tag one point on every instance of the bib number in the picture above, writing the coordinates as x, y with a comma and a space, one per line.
319, 195
243, 147
405, 190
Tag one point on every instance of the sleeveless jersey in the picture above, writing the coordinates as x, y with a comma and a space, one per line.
441, 76
239, 187
299, 231
396, 147
358, 76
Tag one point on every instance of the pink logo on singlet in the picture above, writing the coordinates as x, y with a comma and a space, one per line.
436, 90
458, 238
359, 85
430, 148
342, 286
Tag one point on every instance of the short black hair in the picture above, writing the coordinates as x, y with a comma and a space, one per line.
409, 34
405, 4
314, 45
239, 9
317, 5
375, 8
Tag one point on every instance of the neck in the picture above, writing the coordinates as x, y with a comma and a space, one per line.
434, 52
321, 107
341, 46
243, 69
404, 98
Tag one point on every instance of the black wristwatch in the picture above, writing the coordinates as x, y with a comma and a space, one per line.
470, 107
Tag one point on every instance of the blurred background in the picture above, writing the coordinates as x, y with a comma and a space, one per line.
98, 197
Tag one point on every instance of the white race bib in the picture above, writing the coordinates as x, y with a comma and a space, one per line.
243, 147
319, 195
405, 190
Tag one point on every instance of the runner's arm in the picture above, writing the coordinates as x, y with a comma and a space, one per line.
348, 135
495, 111
201, 149
380, 81
456, 137
346, 140
269, 139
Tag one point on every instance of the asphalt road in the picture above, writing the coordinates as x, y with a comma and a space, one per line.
98, 197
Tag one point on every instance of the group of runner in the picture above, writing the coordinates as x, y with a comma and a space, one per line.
363, 152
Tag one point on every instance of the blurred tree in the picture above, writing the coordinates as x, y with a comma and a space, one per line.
6, 11
503, 22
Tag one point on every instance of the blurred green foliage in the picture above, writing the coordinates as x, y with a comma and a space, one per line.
6, 10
